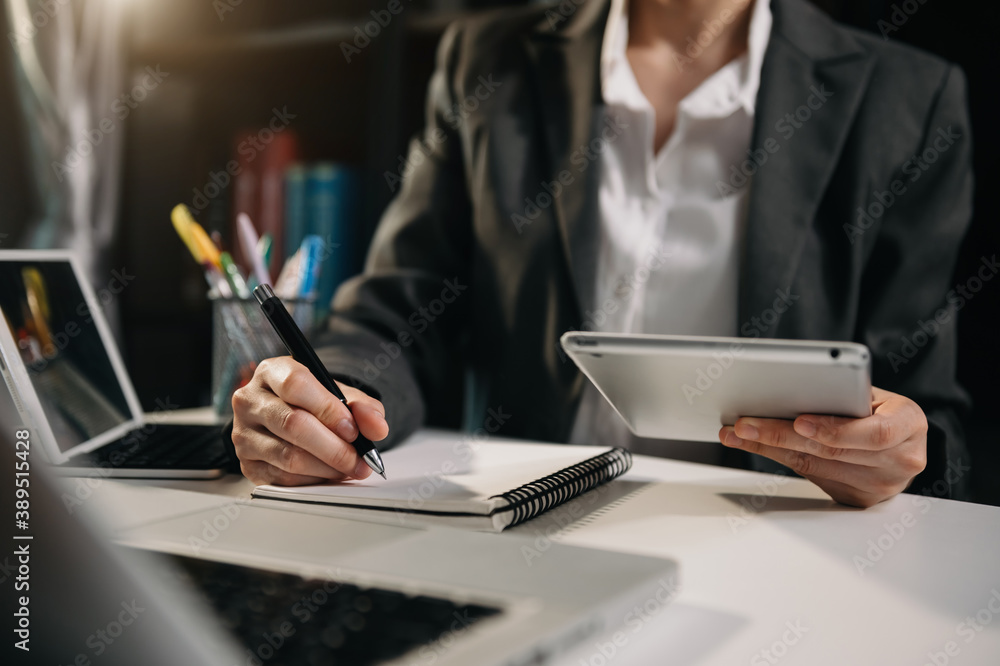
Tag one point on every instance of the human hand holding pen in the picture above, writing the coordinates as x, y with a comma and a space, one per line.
289, 430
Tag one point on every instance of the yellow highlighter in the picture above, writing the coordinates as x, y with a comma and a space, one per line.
207, 251
181, 218
201, 248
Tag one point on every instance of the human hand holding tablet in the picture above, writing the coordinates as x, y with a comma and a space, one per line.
860, 462
808, 405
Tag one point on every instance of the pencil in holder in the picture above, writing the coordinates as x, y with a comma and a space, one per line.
242, 337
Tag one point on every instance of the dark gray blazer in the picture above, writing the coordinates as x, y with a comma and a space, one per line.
476, 269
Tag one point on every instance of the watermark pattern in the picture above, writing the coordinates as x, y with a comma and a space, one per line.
462, 452
900, 14
581, 158
786, 126
914, 167
562, 517
562, 11
429, 654
303, 610
706, 377
419, 321
772, 654
249, 148
84, 487
22, 540
22, 616
925, 331
363, 35
454, 116
29, 25
212, 529
624, 291
633, 621
757, 326
750, 507
7, 570
327, 248
711, 29
967, 630
627, 287
223, 7
39, 355
120, 110
893, 532
102, 639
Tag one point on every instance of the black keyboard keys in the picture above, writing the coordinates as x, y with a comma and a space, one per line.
285, 619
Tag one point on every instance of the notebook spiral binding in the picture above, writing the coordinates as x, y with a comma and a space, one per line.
535, 498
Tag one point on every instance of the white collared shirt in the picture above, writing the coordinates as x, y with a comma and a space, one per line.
670, 240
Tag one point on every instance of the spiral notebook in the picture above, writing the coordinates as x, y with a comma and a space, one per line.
486, 486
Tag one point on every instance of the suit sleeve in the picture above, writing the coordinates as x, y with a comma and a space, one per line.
396, 330
909, 305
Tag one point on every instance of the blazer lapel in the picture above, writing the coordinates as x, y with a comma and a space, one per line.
808, 61
565, 55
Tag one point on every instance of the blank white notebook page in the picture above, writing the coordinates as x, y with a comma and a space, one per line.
444, 476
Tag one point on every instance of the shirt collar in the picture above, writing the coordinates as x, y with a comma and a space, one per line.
618, 82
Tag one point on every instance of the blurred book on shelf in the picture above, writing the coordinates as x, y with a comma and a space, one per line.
263, 157
289, 200
296, 213
333, 213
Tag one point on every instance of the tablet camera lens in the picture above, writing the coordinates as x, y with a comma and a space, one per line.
834, 353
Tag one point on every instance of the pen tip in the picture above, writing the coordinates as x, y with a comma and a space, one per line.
374, 461
383, 475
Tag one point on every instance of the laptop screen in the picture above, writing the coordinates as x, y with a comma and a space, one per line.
63, 350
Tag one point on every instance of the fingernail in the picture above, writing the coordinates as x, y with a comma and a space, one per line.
805, 427
346, 430
362, 470
732, 440
747, 431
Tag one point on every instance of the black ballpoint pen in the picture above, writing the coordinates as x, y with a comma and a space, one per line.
303, 352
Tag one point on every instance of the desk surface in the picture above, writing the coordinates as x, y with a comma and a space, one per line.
771, 569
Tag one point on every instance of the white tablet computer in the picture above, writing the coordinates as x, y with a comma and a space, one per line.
688, 387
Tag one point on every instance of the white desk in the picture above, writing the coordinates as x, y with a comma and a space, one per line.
767, 564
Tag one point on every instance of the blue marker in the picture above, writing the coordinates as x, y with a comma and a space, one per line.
312, 256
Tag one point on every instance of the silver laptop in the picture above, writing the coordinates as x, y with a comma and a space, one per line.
62, 366
240, 584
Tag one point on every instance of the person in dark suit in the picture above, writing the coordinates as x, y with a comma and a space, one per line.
789, 177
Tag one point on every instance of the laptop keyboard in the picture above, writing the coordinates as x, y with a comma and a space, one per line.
283, 619
164, 446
